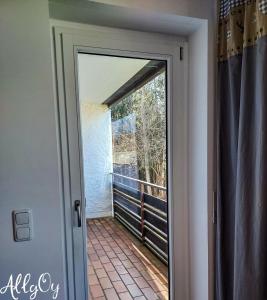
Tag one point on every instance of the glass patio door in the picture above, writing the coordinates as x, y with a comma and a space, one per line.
69, 44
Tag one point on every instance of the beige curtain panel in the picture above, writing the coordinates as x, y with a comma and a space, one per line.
241, 24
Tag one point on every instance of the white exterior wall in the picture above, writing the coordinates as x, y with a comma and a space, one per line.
97, 159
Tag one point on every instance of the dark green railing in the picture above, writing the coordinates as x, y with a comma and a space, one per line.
142, 208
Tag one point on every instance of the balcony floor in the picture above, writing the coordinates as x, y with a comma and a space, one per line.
120, 267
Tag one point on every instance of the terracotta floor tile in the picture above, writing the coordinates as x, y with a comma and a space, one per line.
133, 272
119, 286
111, 294
156, 285
94, 241
97, 264
114, 276
104, 242
122, 256
117, 250
98, 246
139, 266
147, 275
116, 261
125, 296
113, 244
133, 258
96, 291
91, 270
94, 257
128, 252
93, 280
127, 263
149, 294
127, 279
111, 254
134, 290
105, 283
120, 266
104, 259
101, 273
109, 267
141, 282
100, 252
107, 248
121, 270
91, 251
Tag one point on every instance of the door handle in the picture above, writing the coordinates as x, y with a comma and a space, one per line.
77, 207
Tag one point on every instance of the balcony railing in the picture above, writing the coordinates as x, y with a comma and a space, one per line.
143, 213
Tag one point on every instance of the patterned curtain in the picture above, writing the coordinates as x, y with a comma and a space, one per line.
241, 258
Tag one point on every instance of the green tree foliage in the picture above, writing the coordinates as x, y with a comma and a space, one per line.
148, 139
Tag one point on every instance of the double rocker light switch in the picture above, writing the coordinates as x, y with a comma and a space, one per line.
22, 225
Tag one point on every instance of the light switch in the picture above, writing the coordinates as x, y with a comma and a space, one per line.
23, 234
22, 225
22, 218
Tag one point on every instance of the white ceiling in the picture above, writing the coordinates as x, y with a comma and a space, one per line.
100, 76
150, 16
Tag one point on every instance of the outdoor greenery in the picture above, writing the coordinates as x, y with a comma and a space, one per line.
139, 131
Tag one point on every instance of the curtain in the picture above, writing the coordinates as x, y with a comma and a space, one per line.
241, 239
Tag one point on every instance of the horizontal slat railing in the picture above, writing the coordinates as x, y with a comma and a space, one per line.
145, 215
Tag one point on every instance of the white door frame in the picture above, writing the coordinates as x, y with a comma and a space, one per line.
101, 40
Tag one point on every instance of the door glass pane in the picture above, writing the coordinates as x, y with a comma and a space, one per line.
123, 110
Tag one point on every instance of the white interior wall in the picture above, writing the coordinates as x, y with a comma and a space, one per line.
198, 165
97, 159
29, 152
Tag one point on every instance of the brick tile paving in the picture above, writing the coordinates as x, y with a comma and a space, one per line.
120, 267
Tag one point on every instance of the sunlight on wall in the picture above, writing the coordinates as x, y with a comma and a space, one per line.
97, 156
